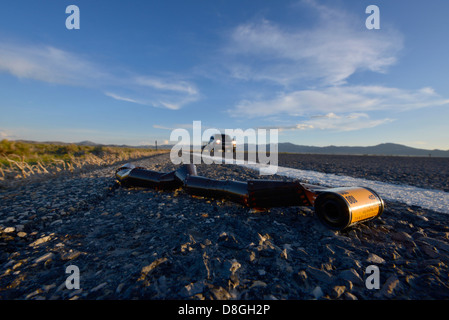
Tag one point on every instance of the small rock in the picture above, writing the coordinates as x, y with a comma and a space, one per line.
284, 254
147, 269
388, 289
337, 291
9, 229
32, 294
45, 257
402, 236
258, 283
74, 295
228, 241
351, 275
59, 221
220, 293
320, 275
234, 266
252, 256
101, 285
119, 288
192, 289
40, 241
429, 250
439, 244
317, 292
423, 218
373, 258
72, 254
350, 296
302, 279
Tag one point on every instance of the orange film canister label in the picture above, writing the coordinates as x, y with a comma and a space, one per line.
364, 204
340, 208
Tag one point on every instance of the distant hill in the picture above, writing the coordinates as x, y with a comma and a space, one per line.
87, 143
388, 149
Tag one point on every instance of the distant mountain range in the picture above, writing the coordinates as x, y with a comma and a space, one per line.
387, 149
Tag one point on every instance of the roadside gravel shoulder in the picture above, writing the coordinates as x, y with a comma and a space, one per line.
135, 243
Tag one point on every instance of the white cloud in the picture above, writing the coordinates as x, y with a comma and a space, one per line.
335, 122
349, 122
180, 86
175, 126
156, 100
168, 93
158, 126
120, 98
53, 65
48, 64
339, 99
329, 52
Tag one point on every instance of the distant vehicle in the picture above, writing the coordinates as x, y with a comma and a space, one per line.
221, 142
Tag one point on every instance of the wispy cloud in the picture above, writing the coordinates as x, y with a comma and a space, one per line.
48, 64
347, 122
340, 99
57, 66
177, 86
334, 122
120, 98
329, 52
176, 126
158, 126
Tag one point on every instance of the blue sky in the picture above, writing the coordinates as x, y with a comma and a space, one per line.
136, 70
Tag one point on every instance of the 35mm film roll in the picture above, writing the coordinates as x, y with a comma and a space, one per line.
339, 208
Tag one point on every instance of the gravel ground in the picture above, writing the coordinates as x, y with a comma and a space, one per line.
134, 243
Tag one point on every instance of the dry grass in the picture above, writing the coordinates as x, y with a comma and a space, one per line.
24, 160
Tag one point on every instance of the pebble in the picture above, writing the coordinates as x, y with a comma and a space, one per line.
351, 275
317, 292
337, 291
389, 287
45, 257
9, 230
100, 286
375, 259
40, 241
